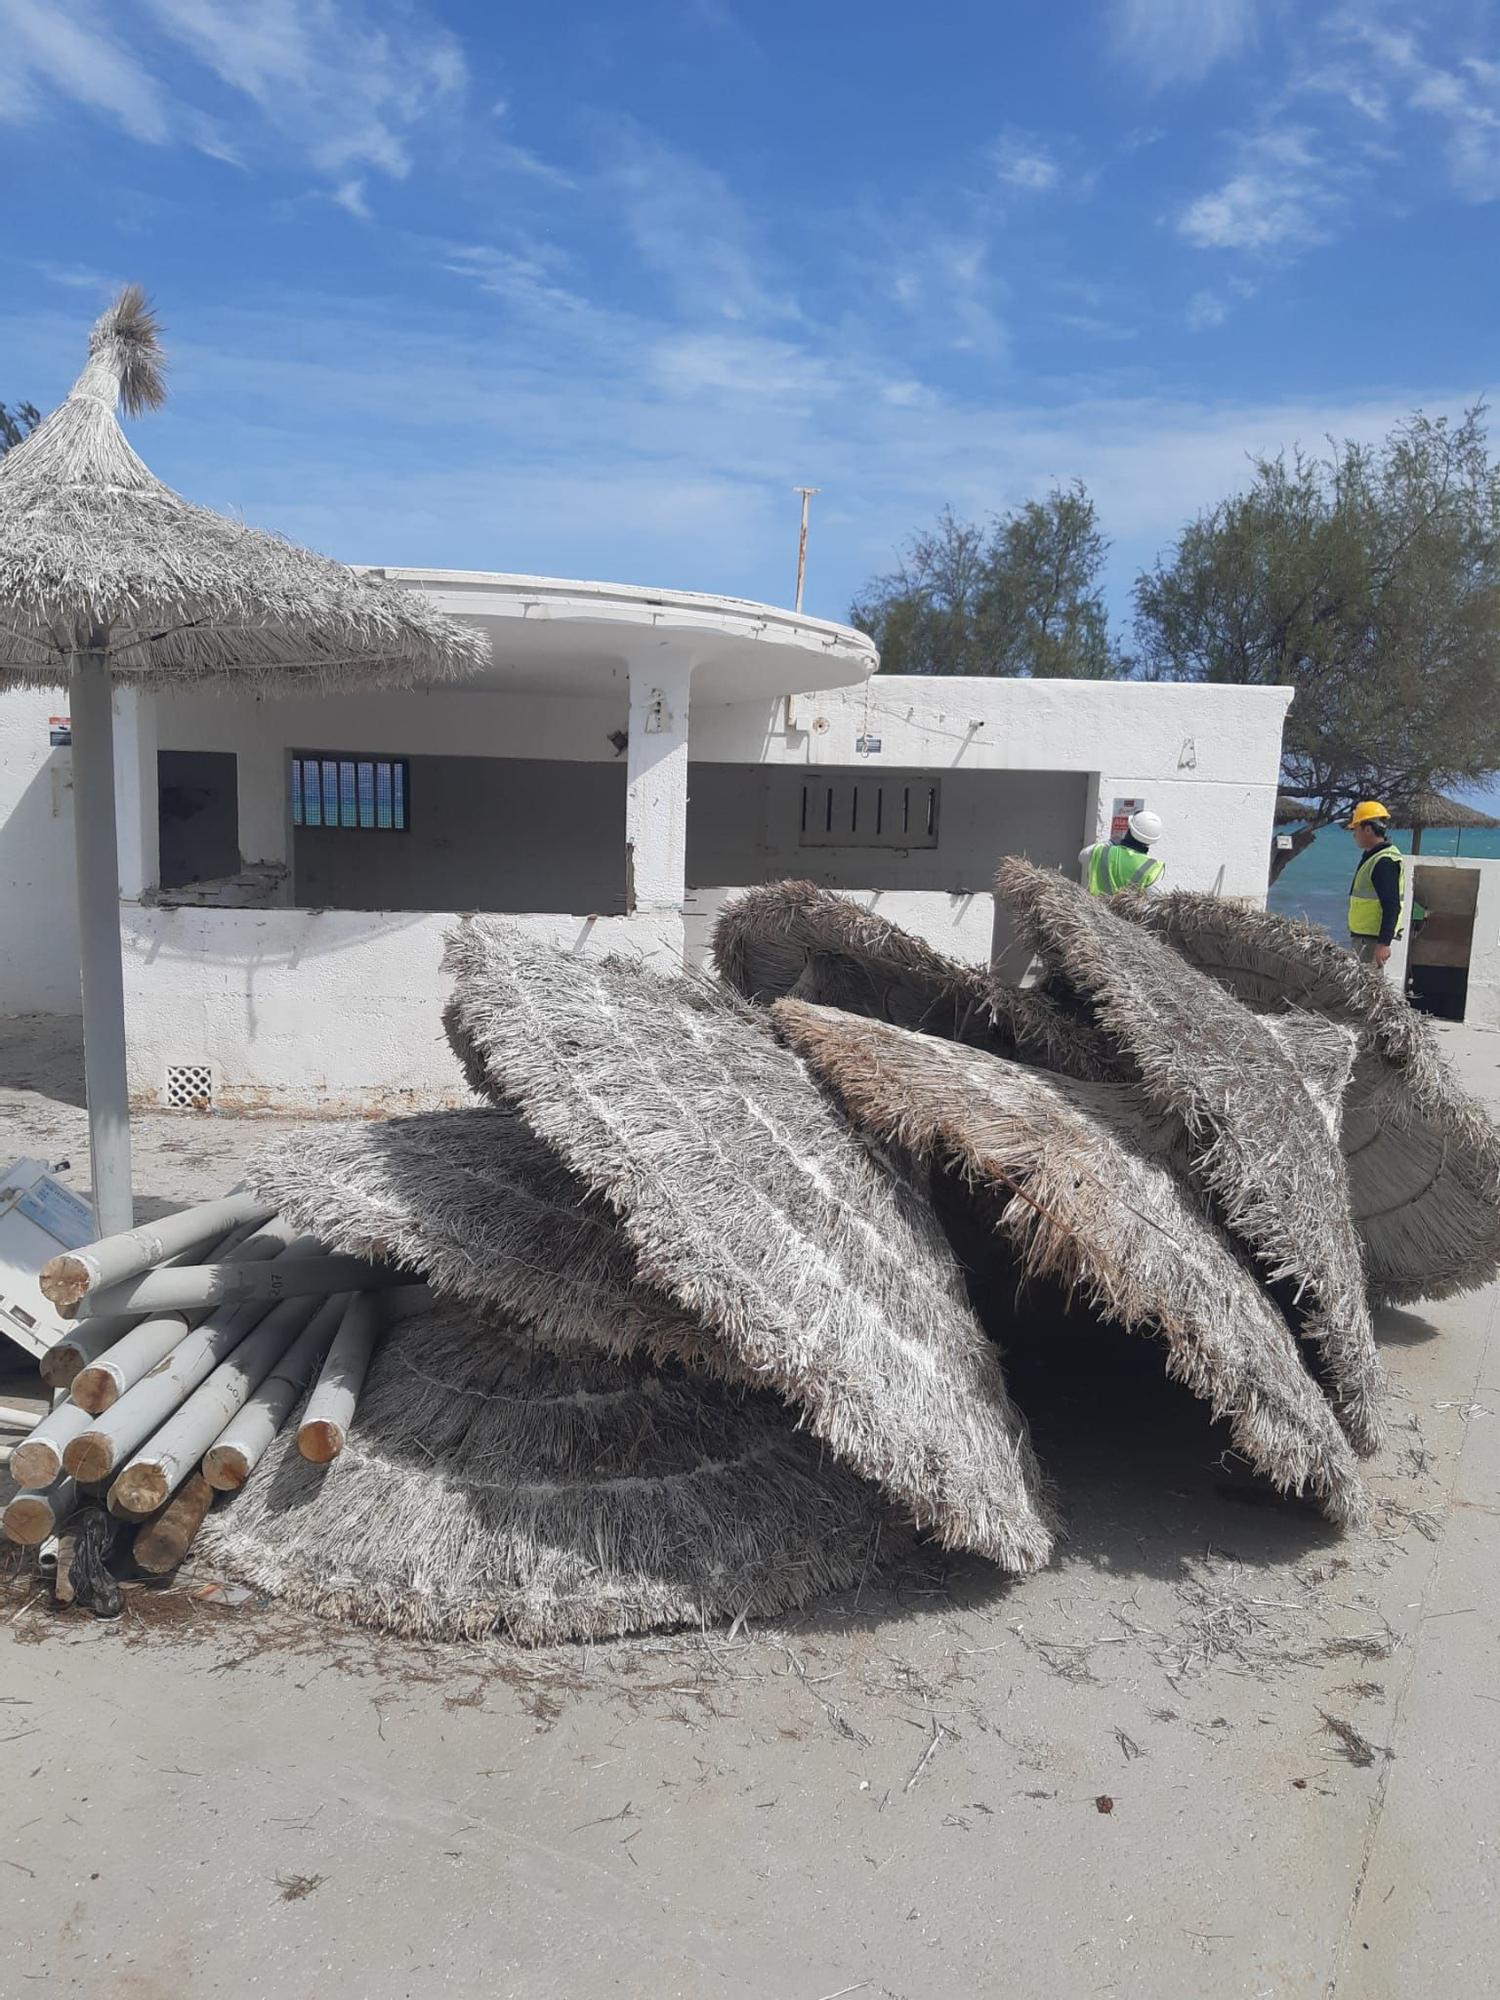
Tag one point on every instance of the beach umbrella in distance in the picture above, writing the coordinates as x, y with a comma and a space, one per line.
1425, 811
107, 578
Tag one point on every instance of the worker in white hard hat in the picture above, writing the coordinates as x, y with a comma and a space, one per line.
1127, 863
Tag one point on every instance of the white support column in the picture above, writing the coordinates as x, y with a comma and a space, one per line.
656, 788
265, 810
137, 811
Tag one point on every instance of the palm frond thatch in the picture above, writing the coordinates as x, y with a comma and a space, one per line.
795, 938
1429, 811
97, 555
489, 1487
489, 1214
751, 1204
1423, 1157
1261, 1147
1081, 1180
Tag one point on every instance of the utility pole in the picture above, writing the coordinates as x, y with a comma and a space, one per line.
807, 493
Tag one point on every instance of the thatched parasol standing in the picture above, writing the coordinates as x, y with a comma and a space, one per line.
107, 576
1433, 811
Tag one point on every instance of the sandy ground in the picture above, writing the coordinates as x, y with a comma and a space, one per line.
1218, 1750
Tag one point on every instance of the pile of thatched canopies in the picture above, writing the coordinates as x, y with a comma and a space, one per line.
699, 1345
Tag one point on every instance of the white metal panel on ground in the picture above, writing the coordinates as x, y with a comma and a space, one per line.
38, 1217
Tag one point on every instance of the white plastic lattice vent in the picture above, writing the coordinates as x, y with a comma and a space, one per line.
190, 1087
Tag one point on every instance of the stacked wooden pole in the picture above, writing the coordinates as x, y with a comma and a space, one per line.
193, 1341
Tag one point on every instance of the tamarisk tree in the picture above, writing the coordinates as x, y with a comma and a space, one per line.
1367, 579
1019, 597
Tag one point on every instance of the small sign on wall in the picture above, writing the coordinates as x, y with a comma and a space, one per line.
867, 746
1120, 816
60, 732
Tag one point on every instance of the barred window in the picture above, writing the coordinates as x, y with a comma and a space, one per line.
869, 812
372, 794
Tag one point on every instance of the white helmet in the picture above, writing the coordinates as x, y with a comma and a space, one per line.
1146, 827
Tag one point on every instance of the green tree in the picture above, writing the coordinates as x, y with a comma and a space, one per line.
16, 423
1368, 580
1019, 598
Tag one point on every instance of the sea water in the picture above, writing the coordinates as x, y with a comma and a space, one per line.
1316, 884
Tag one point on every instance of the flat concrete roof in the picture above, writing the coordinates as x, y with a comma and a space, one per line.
565, 635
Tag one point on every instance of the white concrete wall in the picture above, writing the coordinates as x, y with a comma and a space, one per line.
324, 1010
38, 900
1205, 758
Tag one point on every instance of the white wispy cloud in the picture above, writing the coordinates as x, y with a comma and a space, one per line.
73, 277
690, 230
1180, 41
1205, 310
350, 196
67, 49
1459, 87
1283, 195
1021, 161
525, 278
346, 84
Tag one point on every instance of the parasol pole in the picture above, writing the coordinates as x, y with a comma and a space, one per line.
92, 717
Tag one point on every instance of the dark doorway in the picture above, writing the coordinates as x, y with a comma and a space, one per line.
198, 811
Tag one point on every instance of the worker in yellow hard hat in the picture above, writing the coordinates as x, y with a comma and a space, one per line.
1377, 895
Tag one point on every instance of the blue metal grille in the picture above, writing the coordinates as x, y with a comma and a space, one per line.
354, 794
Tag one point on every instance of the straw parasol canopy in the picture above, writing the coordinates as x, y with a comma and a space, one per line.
1265, 1146
107, 576
813, 1268
1423, 1157
97, 556
795, 939
1083, 1182
1291, 812
1434, 811
489, 1487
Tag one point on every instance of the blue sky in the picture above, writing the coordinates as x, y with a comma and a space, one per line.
586, 290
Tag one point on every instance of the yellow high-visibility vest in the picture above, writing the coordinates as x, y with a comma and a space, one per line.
1113, 866
1365, 913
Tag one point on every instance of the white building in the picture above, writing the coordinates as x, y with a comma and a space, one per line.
631, 758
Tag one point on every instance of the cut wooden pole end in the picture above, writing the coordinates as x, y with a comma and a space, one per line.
226, 1467
37, 1462
143, 1487
64, 1280
90, 1458
31, 1518
94, 1389
320, 1442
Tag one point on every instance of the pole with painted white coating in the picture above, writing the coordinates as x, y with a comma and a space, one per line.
330, 1408
67, 1279
243, 1442
34, 1516
123, 1428
101, 977
202, 1287
38, 1459
100, 1385
160, 1466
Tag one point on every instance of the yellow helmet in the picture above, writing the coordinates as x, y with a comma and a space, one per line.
1364, 812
